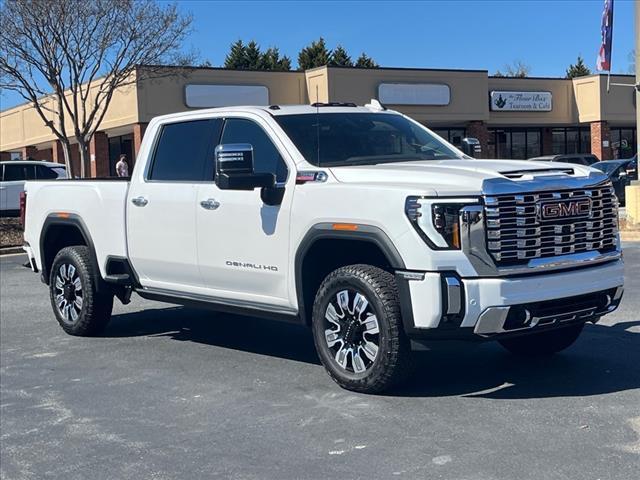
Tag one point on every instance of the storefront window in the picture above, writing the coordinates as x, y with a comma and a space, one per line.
534, 145
585, 140
559, 137
452, 135
623, 142
519, 143
571, 140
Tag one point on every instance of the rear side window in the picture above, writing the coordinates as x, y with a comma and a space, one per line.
184, 151
49, 173
266, 158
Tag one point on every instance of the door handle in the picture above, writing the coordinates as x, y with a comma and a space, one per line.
210, 204
139, 201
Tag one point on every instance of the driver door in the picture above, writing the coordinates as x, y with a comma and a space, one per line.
243, 243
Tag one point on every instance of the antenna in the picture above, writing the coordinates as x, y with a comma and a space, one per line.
317, 128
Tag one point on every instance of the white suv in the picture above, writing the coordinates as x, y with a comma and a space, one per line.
14, 173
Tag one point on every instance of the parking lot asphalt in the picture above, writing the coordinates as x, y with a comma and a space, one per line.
169, 392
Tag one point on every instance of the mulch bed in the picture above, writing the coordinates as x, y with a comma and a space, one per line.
10, 232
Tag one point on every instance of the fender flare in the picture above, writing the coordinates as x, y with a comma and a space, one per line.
325, 230
70, 219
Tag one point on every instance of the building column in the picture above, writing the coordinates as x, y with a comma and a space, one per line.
478, 129
547, 141
138, 135
29, 152
99, 154
57, 154
5, 156
601, 140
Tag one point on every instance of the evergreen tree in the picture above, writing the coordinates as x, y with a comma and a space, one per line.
579, 69
253, 56
314, 55
364, 61
271, 60
237, 56
340, 58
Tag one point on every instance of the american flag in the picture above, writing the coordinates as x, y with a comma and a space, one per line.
604, 56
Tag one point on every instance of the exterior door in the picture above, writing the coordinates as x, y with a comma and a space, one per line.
162, 206
243, 244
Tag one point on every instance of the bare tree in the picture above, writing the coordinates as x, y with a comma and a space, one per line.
68, 57
518, 69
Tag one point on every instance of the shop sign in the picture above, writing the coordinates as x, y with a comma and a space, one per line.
414, 94
203, 96
510, 101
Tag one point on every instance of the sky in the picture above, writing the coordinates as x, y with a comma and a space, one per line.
544, 34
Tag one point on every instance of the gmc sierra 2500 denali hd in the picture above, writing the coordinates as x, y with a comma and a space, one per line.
356, 221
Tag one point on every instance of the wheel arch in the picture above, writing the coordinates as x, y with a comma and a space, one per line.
364, 244
59, 232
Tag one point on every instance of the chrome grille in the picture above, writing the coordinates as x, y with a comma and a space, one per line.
517, 234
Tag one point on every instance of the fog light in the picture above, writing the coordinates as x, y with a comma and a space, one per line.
518, 317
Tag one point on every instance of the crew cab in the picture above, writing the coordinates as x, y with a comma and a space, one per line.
356, 221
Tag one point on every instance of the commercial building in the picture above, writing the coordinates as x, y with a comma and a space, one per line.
512, 117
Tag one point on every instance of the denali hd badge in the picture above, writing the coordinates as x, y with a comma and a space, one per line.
575, 208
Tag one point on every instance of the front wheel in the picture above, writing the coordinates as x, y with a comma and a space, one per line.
80, 306
543, 343
357, 329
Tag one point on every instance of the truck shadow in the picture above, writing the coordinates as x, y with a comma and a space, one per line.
605, 359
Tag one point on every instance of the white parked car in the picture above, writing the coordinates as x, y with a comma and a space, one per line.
356, 221
14, 173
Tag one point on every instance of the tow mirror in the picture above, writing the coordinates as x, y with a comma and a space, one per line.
471, 146
234, 168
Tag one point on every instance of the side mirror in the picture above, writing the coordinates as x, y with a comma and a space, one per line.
471, 146
234, 168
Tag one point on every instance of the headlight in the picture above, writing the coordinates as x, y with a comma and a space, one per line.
437, 220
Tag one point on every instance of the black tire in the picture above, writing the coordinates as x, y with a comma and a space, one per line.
391, 364
87, 311
543, 343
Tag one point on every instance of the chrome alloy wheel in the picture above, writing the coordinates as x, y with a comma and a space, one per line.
69, 295
353, 334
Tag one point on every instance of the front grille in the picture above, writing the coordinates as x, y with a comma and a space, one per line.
516, 233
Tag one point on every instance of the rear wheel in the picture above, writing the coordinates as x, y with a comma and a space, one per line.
543, 343
80, 306
357, 329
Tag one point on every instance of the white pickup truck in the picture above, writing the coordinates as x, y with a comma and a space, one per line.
356, 221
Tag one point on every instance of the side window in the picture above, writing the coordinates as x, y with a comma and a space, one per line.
45, 173
30, 172
185, 150
266, 158
13, 173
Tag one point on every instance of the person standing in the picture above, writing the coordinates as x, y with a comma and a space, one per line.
122, 167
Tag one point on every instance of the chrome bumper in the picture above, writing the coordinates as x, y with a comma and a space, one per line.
514, 318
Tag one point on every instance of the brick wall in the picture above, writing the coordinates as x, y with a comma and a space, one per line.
99, 153
138, 134
600, 134
478, 129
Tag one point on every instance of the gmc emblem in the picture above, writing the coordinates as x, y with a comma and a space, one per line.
574, 208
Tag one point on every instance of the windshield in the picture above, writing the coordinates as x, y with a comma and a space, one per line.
362, 139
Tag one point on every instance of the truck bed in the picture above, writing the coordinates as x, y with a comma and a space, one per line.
99, 204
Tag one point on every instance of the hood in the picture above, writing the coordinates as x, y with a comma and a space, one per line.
466, 177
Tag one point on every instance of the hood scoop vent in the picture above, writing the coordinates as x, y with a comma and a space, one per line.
539, 171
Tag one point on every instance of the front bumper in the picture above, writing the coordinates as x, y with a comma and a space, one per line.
491, 306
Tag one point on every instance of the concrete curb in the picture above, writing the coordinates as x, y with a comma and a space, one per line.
10, 250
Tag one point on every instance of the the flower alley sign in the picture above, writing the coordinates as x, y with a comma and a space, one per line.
508, 101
